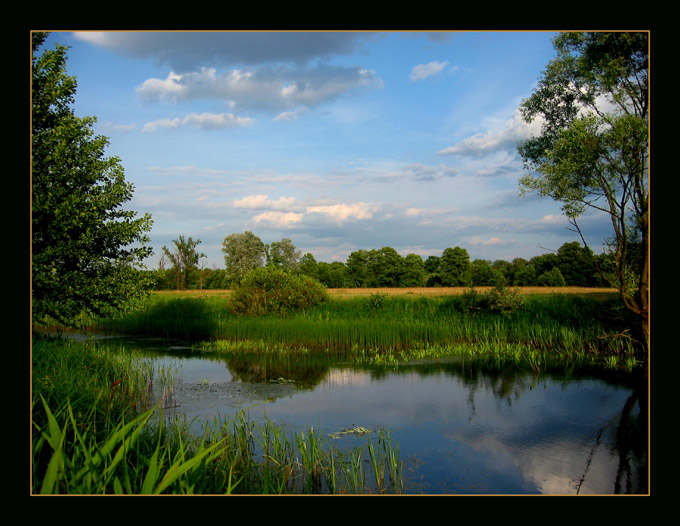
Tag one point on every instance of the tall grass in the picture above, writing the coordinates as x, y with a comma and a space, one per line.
563, 323
90, 437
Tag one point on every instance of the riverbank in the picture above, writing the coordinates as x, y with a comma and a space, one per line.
389, 320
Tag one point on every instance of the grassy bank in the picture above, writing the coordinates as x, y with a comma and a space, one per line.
91, 434
387, 322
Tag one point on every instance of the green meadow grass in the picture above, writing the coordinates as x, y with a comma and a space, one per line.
556, 322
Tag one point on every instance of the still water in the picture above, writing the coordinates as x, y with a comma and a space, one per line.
462, 427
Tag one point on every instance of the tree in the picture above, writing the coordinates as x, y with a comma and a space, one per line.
551, 278
184, 258
87, 252
483, 274
308, 266
455, 267
243, 252
357, 266
432, 267
383, 267
523, 273
592, 152
576, 264
413, 272
282, 254
333, 275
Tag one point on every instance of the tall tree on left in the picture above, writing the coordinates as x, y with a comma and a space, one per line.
87, 251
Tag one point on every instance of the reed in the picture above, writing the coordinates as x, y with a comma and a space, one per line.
556, 322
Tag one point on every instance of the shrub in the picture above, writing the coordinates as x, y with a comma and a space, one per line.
269, 290
500, 299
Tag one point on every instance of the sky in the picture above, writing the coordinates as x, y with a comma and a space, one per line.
338, 141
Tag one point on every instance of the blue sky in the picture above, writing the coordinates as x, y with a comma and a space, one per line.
338, 141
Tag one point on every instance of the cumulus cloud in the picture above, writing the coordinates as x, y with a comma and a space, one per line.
343, 212
278, 219
205, 121
514, 130
423, 71
271, 89
262, 201
287, 211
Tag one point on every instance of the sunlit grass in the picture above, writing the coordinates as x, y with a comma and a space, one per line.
555, 322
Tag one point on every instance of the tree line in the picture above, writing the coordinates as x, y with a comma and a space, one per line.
571, 265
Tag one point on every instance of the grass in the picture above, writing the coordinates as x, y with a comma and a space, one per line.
376, 323
90, 437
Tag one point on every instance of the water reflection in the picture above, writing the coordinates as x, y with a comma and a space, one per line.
463, 427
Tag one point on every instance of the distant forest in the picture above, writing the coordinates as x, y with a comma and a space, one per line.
571, 265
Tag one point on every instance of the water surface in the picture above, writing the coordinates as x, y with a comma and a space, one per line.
461, 427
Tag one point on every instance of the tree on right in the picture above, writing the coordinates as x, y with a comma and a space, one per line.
592, 153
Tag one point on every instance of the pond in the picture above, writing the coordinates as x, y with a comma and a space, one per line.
462, 427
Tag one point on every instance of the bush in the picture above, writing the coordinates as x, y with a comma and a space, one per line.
268, 290
500, 300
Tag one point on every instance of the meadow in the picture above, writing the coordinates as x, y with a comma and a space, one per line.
399, 323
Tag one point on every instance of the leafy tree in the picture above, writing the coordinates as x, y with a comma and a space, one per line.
543, 263
184, 258
282, 254
504, 271
483, 274
576, 264
333, 275
432, 267
384, 267
551, 278
243, 253
455, 267
87, 252
308, 266
523, 274
592, 152
413, 273
217, 279
357, 266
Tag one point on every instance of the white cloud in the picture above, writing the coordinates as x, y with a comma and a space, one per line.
344, 212
204, 121
262, 201
278, 219
290, 115
269, 89
514, 130
423, 71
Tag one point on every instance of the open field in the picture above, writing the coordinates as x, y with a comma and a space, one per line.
407, 291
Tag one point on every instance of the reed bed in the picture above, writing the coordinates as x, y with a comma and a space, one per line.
554, 322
